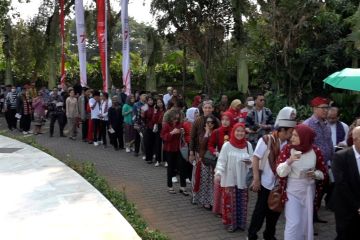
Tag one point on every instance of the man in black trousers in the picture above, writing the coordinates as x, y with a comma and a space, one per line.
346, 197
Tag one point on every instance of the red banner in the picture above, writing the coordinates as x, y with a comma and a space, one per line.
62, 36
102, 40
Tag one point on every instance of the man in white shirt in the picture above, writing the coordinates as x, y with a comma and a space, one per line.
95, 106
339, 130
264, 167
346, 197
106, 103
167, 96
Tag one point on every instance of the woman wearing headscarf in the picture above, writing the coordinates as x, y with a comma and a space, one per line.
266, 152
203, 179
39, 106
298, 166
191, 115
196, 102
216, 141
235, 109
231, 170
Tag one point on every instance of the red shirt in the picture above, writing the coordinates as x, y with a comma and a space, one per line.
216, 139
171, 141
187, 128
148, 118
158, 117
235, 113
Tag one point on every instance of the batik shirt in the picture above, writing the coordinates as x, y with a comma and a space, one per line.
323, 137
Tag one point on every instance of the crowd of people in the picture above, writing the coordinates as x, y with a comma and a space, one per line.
222, 150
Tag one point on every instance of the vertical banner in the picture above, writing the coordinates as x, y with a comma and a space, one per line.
81, 39
125, 46
102, 40
62, 36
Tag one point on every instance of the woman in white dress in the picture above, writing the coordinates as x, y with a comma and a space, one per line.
299, 165
231, 170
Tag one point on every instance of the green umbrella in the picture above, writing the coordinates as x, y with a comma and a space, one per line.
348, 78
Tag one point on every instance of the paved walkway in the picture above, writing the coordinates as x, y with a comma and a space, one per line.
145, 185
43, 199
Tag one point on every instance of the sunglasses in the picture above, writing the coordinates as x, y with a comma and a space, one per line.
324, 108
211, 122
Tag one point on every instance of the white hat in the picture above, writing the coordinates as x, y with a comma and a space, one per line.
286, 118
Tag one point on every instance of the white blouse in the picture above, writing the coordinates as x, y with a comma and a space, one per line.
299, 168
232, 167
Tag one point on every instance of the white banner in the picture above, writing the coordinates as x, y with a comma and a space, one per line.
81, 38
126, 45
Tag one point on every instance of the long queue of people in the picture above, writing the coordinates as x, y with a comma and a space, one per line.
223, 150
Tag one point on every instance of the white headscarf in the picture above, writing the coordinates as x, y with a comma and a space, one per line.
190, 114
284, 118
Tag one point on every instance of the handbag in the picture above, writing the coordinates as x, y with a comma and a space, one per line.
209, 159
275, 198
184, 148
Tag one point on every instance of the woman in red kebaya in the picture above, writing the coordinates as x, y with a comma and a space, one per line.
235, 110
149, 135
171, 133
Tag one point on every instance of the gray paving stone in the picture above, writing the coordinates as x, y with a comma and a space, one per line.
145, 185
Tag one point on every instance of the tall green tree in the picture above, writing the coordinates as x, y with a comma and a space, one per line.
200, 25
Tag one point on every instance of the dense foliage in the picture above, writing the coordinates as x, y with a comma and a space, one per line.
283, 47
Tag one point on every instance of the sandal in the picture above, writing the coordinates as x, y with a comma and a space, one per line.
231, 229
207, 207
171, 191
184, 192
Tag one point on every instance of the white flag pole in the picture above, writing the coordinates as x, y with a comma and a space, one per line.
81, 39
126, 46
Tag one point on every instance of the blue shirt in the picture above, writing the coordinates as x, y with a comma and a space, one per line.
323, 137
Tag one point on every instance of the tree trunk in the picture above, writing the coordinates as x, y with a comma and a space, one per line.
150, 79
184, 70
242, 71
7, 53
150, 59
52, 49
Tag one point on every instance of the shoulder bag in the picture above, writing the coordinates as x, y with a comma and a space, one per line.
209, 158
184, 148
275, 202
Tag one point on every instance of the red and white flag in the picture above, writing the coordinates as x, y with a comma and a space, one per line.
126, 46
62, 37
102, 40
81, 39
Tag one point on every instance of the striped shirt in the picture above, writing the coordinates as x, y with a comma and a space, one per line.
11, 100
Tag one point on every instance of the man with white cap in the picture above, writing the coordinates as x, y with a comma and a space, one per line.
264, 170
